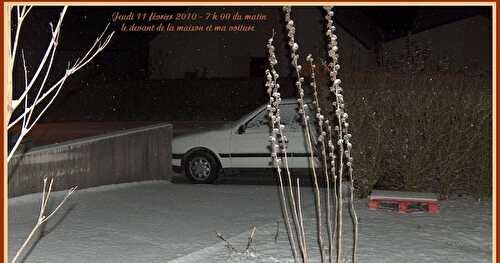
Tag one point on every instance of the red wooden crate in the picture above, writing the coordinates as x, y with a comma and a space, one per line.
403, 200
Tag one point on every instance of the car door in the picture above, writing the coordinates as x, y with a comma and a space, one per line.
250, 148
294, 131
298, 150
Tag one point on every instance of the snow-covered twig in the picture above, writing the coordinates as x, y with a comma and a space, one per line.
46, 63
277, 234
228, 245
294, 46
279, 145
342, 133
29, 106
327, 138
22, 12
250, 239
301, 220
321, 139
42, 218
51, 47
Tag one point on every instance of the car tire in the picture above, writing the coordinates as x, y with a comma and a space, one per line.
201, 167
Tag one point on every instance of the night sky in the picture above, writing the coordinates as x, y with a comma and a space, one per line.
391, 21
91, 95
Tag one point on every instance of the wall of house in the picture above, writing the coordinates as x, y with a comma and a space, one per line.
228, 54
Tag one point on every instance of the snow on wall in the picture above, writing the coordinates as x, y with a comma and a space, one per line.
124, 156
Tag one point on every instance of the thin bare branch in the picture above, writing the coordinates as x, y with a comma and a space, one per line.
42, 64
321, 139
250, 238
19, 24
25, 85
42, 85
71, 71
303, 111
42, 218
42, 94
52, 99
301, 220
279, 144
228, 245
70, 192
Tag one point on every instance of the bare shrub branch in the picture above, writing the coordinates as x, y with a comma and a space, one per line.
278, 145
250, 239
46, 63
325, 138
303, 111
345, 146
228, 245
27, 113
439, 139
42, 217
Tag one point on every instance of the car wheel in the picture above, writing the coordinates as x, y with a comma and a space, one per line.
201, 168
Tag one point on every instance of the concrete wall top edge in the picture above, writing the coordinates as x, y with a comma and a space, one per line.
92, 139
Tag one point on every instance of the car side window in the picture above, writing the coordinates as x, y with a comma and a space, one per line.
289, 114
292, 118
259, 121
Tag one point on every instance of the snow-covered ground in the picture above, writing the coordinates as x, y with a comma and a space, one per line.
160, 221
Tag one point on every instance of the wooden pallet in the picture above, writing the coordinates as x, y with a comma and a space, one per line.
404, 200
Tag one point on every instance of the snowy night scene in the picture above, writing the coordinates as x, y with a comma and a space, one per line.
249, 133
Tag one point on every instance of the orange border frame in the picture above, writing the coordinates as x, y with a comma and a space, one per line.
495, 94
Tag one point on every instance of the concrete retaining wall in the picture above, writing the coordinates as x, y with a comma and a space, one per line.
125, 156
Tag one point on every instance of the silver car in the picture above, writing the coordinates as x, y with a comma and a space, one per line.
238, 145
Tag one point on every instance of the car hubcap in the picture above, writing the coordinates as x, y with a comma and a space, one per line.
200, 168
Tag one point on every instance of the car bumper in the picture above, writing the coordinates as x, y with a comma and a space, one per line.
177, 169
177, 164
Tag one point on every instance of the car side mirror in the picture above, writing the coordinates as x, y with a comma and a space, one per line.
242, 129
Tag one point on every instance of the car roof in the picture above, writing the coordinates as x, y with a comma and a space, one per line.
293, 100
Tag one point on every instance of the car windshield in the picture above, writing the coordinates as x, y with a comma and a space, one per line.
290, 117
245, 117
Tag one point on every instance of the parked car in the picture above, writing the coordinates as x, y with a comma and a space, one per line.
238, 145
